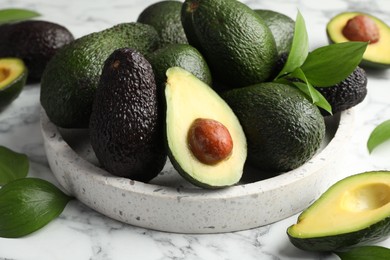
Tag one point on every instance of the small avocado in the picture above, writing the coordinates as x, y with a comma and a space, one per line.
33, 41
281, 26
164, 16
236, 42
346, 94
70, 79
283, 129
355, 211
179, 55
206, 143
126, 130
356, 26
13, 75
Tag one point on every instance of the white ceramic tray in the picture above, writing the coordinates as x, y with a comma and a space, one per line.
169, 203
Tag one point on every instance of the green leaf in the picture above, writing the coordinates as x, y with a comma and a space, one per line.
316, 97
365, 253
13, 165
379, 135
14, 14
306, 87
299, 48
27, 205
328, 65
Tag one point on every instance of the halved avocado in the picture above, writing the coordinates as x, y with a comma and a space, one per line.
354, 211
13, 75
377, 55
207, 145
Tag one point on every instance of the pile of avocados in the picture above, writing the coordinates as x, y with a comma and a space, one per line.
193, 83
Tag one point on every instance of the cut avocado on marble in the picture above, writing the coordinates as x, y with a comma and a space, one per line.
354, 211
377, 54
13, 75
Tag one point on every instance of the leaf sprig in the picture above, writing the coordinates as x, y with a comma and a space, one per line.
15, 14
323, 67
26, 204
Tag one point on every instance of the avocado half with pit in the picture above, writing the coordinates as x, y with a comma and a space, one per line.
206, 143
354, 211
377, 54
13, 75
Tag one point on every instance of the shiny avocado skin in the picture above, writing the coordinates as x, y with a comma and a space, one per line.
164, 16
70, 79
33, 41
236, 42
282, 127
179, 55
125, 127
368, 236
282, 28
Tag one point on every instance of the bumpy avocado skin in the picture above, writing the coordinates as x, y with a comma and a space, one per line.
70, 79
281, 26
346, 94
179, 55
164, 16
125, 127
237, 44
33, 41
282, 127
367, 236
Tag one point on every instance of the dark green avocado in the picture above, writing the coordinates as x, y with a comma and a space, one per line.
281, 26
236, 42
179, 55
13, 75
283, 129
206, 143
164, 16
33, 41
126, 130
346, 94
353, 212
70, 79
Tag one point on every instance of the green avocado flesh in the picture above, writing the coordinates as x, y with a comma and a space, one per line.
13, 75
354, 211
377, 55
188, 99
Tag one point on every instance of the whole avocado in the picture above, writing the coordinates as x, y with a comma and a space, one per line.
70, 79
33, 41
179, 55
125, 127
164, 16
347, 93
283, 128
237, 44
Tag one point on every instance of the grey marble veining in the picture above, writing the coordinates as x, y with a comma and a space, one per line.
81, 233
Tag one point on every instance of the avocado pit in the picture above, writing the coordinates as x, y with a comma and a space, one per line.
209, 141
4, 73
361, 28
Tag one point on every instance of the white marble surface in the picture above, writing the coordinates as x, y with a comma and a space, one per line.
80, 233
